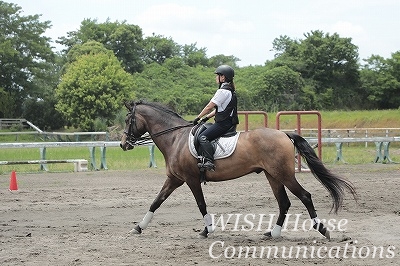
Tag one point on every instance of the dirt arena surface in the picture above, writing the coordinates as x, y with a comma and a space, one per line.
84, 219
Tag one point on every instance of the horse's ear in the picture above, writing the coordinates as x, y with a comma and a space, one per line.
128, 105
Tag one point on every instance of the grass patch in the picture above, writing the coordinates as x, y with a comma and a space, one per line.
116, 159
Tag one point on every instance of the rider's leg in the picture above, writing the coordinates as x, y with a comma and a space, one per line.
207, 151
214, 131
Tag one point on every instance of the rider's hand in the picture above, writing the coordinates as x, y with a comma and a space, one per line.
204, 119
196, 121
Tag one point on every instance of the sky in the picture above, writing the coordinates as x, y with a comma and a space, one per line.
242, 28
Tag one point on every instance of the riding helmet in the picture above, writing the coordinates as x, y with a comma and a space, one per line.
225, 70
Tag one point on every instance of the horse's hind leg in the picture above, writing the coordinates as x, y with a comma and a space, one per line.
305, 198
169, 186
283, 203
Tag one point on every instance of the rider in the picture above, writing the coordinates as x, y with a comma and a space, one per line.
223, 105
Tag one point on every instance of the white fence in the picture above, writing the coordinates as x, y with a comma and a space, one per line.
90, 144
80, 165
381, 146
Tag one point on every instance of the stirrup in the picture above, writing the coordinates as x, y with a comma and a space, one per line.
205, 164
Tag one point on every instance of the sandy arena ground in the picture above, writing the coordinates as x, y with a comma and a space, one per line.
84, 219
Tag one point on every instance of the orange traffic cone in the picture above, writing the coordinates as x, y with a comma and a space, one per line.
13, 181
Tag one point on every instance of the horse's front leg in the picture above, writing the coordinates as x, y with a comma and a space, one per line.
169, 186
195, 187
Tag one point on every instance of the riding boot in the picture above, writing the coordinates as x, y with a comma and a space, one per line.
207, 151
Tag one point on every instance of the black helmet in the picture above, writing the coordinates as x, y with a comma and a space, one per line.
225, 70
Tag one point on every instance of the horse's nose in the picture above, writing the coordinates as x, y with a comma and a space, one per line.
122, 146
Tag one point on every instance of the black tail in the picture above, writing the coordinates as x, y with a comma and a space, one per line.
333, 183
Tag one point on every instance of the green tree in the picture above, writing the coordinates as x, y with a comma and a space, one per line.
158, 48
380, 82
24, 54
328, 63
282, 89
194, 56
125, 40
93, 87
186, 89
87, 48
221, 59
284, 45
394, 92
6, 103
332, 62
249, 81
287, 53
40, 107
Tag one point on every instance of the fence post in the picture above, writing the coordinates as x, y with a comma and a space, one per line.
152, 160
298, 115
103, 164
386, 152
339, 154
378, 146
43, 157
93, 158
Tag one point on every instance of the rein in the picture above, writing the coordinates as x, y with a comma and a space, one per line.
133, 140
145, 138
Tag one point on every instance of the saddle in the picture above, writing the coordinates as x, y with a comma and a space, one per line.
223, 146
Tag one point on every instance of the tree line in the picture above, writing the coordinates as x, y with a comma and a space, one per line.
106, 63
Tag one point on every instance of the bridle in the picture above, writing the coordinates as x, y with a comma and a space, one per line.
133, 139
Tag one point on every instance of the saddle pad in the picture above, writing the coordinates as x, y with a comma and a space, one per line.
224, 146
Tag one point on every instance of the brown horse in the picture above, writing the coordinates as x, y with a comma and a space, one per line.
261, 150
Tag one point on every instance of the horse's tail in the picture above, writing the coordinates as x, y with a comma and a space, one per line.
333, 183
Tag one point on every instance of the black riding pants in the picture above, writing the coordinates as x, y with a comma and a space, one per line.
216, 130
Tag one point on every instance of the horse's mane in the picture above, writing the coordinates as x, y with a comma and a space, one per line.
158, 106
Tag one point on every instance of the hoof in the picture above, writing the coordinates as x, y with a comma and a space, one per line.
267, 235
327, 235
136, 231
204, 234
323, 230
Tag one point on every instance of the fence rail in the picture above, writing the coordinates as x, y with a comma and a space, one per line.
79, 164
57, 135
350, 132
10, 122
354, 140
382, 145
90, 144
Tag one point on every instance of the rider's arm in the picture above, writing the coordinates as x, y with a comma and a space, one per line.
208, 110
211, 114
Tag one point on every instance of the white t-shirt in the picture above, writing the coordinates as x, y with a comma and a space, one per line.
221, 99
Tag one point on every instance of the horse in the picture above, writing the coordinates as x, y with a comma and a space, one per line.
261, 150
